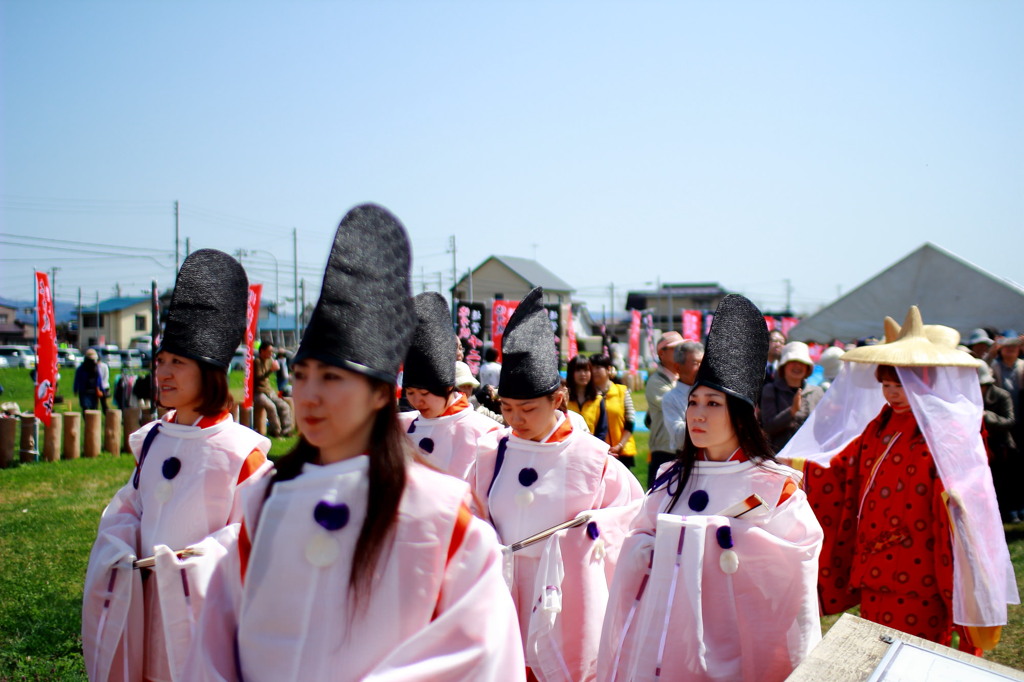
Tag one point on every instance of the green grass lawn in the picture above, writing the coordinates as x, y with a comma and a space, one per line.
48, 518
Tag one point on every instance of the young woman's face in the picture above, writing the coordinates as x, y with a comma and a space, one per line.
600, 374
582, 375
793, 373
895, 396
707, 420
531, 419
1010, 354
179, 381
335, 408
429, 405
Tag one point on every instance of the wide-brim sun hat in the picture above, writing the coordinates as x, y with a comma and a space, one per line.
914, 345
979, 336
796, 351
464, 375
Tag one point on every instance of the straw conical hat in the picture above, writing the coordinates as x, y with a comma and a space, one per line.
915, 344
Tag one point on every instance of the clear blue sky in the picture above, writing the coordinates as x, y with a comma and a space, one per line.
626, 143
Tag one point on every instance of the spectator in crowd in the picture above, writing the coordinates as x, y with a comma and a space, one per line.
830, 363
776, 340
92, 382
469, 386
788, 399
615, 408
575, 418
284, 388
490, 371
1008, 369
279, 415
979, 343
1000, 420
688, 357
660, 382
581, 392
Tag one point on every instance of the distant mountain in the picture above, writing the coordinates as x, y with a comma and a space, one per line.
64, 311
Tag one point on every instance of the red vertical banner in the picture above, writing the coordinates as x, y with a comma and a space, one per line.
634, 343
501, 311
570, 333
815, 350
708, 319
691, 325
46, 350
252, 320
770, 322
788, 323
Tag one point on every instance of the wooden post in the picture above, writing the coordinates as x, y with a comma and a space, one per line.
235, 412
8, 436
29, 453
246, 417
53, 437
112, 432
72, 435
93, 433
132, 417
259, 418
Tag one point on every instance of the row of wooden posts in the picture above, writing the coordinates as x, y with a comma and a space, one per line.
65, 437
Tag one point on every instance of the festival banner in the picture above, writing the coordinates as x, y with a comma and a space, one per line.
707, 323
634, 343
649, 332
571, 336
501, 311
46, 350
815, 350
252, 320
691, 325
770, 322
469, 329
788, 323
555, 315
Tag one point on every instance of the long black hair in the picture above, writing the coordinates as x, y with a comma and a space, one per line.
579, 362
389, 453
752, 438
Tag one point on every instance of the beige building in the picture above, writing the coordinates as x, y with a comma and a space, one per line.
510, 278
115, 321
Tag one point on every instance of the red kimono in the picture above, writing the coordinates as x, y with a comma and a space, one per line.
887, 542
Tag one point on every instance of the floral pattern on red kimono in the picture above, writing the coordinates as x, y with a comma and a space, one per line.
887, 535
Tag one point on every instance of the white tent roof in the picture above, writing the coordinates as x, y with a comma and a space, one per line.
948, 291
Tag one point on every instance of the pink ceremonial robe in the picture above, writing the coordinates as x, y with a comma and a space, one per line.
701, 596
188, 495
449, 442
437, 610
539, 485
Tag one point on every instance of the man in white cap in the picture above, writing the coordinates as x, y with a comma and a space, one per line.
661, 382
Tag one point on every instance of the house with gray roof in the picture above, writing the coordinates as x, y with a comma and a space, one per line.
510, 278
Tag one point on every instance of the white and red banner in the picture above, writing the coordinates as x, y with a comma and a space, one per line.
570, 333
708, 319
469, 329
46, 350
501, 311
634, 343
649, 333
788, 323
252, 320
691, 325
769, 322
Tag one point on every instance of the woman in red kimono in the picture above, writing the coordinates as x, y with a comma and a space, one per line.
908, 512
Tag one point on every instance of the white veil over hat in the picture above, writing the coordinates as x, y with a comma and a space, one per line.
942, 388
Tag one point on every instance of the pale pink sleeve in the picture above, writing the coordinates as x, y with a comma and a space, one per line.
619, 486
212, 654
475, 635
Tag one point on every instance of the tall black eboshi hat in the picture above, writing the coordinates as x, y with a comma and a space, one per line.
430, 363
206, 319
736, 350
364, 319
529, 360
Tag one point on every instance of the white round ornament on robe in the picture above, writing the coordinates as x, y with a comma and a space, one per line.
729, 561
322, 550
524, 498
164, 491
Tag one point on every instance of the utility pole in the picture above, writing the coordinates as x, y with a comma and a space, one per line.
451, 247
177, 241
78, 341
789, 293
302, 288
188, 246
295, 280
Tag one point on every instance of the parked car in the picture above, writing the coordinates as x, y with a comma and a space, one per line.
131, 358
108, 355
238, 359
69, 357
3, 364
19, 356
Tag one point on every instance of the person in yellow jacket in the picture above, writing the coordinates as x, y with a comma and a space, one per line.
615, 416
